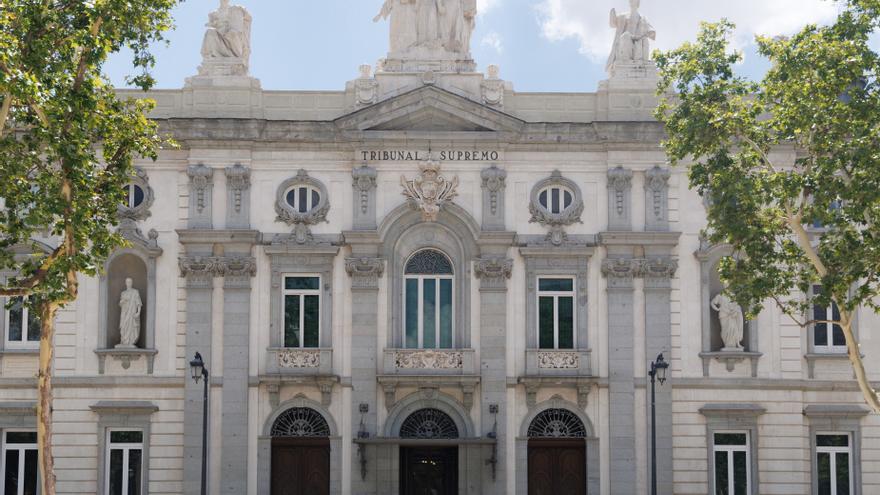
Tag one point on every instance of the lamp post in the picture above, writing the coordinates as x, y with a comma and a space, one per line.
657, 374
199, 371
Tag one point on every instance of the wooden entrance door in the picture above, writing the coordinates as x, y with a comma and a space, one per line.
300, 466
428, 471
557, 467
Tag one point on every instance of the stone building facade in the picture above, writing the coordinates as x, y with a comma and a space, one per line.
429, 268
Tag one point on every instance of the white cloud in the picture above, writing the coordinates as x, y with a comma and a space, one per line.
678, 20
493, 40
484, 6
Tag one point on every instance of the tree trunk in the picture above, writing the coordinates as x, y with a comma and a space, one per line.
855, 357
44, 404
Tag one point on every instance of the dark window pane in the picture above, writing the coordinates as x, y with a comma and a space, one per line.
429, 313
842, 473
824, 473
291, 321
303, 198
555, 285
730, 439
566, 322
555, 193
33, 327
412, 313
302, 283
311, 322
740, 473
839, 338
126, 436
11, 474
116, 473
291, 198
138, 196
31, 472
832, 441
568, 200
429, 262
446, 314
542, 199
545, 323
19, 437
820, 313
134, 472
316, 198
16, 312
722, 485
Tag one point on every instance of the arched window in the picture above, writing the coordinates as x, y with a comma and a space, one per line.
428, 306
430, 424
299, 422
557, 423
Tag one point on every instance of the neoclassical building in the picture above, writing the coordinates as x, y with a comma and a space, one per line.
427, 282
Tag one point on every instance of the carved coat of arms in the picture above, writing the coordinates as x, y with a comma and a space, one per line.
429, 191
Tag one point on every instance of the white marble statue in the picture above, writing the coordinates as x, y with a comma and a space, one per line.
228, 38
129, 316
429, 28
632, 41
403, 33
457, 22
730, 314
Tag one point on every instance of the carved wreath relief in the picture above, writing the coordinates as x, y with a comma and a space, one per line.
428, 360
429, 191
294, 358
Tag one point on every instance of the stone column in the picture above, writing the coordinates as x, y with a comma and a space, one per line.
237, 271
493, 273
621, 390
658, 273
365, 272
199, 272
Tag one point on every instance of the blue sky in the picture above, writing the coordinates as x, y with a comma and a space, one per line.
540, 45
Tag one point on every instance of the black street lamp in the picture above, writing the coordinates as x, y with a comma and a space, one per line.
657, 374
199, 371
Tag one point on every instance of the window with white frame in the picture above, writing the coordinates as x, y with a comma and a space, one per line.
302, 198
20, 468
428, 303
134, 195
556, 309
125, 451
22, 325
555, 199
833, 464
732, 463
828, 338
302, 311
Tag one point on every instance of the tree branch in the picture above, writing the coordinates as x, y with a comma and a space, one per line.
4, 111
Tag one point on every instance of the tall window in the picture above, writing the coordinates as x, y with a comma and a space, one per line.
833, 456
428, 304
556, 313
827, 338
125, 462
22, 325
20, 471
302, 311
732, 465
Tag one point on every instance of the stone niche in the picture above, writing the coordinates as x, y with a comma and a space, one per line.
122, 267
715, 288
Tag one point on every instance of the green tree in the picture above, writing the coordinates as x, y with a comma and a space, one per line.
66, 149
793, 225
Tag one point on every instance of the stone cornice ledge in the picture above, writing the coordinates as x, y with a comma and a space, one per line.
639, 238
728, 410
124, 407
835, 411
18, 408
192, 236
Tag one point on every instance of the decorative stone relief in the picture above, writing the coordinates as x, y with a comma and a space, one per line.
658, 272
494, 182
297, 358
620, 271
128, 213
366, 88
558, 360
200, 270
632, 40
365, 272
301, 220
364, 184
201, 186
619, 194
657, 199
567, 215
429, 191
428, 360
238, 185
492, 88
493, 272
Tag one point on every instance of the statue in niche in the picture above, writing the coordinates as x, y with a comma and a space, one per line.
632, 40
730, 314
429, 26
229, 33
130, 306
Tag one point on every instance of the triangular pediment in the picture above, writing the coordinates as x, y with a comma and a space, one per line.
429, 109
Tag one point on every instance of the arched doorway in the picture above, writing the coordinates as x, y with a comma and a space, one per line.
300, 453
557, 454
431, 468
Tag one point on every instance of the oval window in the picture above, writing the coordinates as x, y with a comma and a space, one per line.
134, 195
555, 199
302, 199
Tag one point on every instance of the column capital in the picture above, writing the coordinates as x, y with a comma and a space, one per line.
620, 272
365, 272
493, 272
658, 272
